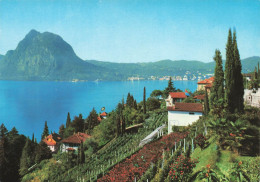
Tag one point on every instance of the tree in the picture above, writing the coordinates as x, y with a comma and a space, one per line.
230, 74
238, 82
206, 103
62, 130
45, 130
170, 88
91, 121
78, 123
42, 152
3, 152
68, 121
153, 103
217, 90
25, 158
156, 93
81, 154
144, 101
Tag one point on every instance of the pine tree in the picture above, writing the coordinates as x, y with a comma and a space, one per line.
45, 130
238, 78
68, 122
206, 103
217, 90
230, 74
61, 130
91, 121
3, 153
170, 88
144, 99
33, 138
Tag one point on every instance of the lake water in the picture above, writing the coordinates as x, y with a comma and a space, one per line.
27, 105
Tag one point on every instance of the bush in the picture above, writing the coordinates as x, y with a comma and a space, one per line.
200, 140
152, 104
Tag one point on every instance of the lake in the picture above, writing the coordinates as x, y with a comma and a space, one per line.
27, 105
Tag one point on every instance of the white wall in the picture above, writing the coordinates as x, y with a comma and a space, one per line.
181, 118
65, 146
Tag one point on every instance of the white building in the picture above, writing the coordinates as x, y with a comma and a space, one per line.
252, 97
183, 114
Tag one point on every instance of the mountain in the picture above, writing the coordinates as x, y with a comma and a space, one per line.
46, 56
169, 67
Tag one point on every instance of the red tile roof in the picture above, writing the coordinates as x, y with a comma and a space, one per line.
70, 149
76, 138
209, 85
52, 139
103, 114
190, 107
200, 97
99, 118
206, 81
178, 95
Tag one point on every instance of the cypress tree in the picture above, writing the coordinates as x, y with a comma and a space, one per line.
25, 158
238, 78
68, 121
230, 74
42, 152
217, 90
206, 103
82, 155
45, 130
144, 101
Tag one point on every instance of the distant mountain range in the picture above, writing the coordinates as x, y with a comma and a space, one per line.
46, 56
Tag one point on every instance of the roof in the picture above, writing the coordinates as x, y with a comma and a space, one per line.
70, 149
99, 118
103, 114
191, 107
209, 85
52, 139
200, 97
76, 138
177, 95
206, 81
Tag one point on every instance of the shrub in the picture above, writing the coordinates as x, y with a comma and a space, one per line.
200, 140
181, 168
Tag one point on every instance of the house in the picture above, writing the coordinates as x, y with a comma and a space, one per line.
175, 97
252, 97
199, 97
52, 141
103, 115
72, 143
183, 114
207, 83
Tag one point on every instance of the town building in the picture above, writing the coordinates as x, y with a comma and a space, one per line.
72, 143
52, 141
252, 97
175, 97
183, 114
103, 115
207, 83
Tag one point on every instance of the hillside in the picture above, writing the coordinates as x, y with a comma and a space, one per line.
169, 67
46, 56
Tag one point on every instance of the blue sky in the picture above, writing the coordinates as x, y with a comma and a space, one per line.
136, 30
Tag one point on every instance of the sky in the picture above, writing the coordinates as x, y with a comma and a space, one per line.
136, 30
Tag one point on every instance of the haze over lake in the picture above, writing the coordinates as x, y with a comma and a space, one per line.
27, 105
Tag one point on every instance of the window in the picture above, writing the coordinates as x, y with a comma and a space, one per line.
191, 113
